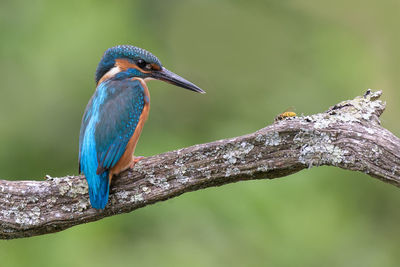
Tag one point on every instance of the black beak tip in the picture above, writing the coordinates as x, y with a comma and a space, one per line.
172, 78
201, 91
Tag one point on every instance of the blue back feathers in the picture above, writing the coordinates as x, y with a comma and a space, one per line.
109, 122
123, 51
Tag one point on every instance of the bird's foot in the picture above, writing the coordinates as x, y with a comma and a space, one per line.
135, 160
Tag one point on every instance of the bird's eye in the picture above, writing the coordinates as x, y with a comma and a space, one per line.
141, 63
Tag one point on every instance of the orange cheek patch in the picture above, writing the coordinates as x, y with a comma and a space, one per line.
125, 64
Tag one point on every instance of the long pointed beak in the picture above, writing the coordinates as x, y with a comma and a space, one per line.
172, 78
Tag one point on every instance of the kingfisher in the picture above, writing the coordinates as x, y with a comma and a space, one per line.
115, 115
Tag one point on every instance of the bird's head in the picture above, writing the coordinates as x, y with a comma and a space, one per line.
125, 61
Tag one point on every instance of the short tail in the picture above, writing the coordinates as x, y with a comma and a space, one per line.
98, 192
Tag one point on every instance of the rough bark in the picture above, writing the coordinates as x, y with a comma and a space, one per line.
348, 136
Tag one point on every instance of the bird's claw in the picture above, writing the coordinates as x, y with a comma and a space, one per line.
135, 160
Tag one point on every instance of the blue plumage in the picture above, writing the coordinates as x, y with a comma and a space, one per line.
109, 122
114, 112
123, 51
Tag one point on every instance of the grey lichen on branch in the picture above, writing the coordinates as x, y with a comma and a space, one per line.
320, 147
348, 136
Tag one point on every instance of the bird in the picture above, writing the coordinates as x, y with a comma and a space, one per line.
114, 117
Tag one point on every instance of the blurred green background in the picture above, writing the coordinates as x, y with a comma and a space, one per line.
254, 59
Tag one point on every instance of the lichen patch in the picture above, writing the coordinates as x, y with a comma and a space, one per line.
318, 149
236, 153
272, 139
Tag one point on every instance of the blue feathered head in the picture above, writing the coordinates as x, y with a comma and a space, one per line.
137, 55
134, 62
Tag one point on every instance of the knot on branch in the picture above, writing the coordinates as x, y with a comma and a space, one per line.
366, 108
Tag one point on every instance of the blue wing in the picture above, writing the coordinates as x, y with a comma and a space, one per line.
119, 117
109, 122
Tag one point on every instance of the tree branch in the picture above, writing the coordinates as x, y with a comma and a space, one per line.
348, 136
